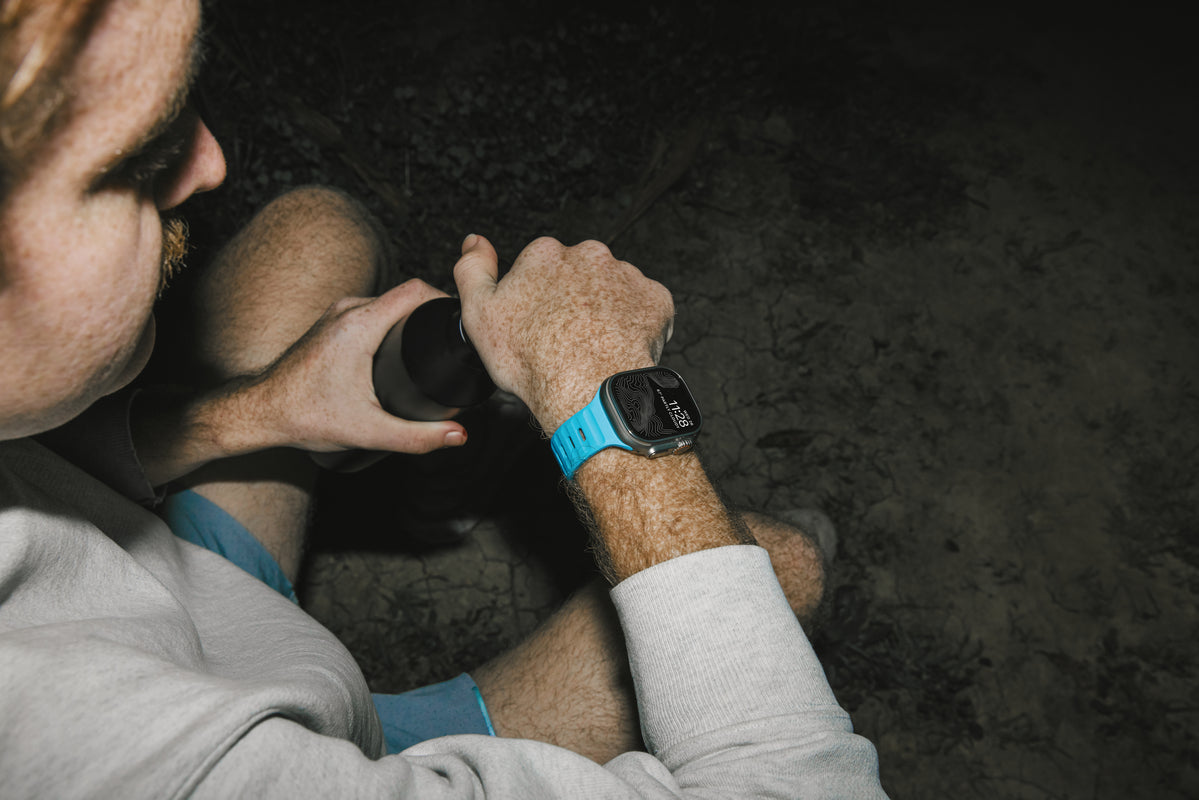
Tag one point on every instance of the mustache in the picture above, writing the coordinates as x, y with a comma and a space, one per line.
174, 250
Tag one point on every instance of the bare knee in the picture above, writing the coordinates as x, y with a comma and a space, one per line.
331, 236
799, 563
307, 249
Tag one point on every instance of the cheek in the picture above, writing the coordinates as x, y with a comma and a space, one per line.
85, 295
129, 254
78, 278
132, 265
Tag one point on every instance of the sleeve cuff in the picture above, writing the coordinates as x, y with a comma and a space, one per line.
713, 643
100, 443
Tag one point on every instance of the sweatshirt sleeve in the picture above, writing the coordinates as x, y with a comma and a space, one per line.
733, 704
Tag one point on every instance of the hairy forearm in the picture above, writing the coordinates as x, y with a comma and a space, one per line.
640, 511
644, 511
176, 432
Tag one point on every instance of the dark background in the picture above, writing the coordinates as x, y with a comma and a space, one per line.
936, 274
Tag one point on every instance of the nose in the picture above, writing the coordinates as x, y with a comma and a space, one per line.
201, 169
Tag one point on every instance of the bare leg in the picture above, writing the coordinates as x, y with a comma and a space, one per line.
569, 684
301, 253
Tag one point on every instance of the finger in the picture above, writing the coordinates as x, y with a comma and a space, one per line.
345, 304
475, 273
396, 304
406, 436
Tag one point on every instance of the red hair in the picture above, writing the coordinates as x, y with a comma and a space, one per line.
39, 40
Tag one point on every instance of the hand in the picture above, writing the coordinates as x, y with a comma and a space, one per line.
561, 321
319, 395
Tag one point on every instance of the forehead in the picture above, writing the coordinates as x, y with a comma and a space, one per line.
138, 59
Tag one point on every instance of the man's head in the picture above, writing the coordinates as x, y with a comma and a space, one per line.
96, 142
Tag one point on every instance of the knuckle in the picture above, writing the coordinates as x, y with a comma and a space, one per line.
339, 307
541, 249
416, 285
665, 296
543, 245
595, 248
662, 299
417, 289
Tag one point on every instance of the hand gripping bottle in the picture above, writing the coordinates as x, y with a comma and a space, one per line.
425, 369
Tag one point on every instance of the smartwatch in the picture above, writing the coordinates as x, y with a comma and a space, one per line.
648, 411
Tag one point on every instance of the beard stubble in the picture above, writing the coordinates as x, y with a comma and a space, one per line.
174, 250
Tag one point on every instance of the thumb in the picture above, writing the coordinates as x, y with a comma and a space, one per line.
475, 273
406, 436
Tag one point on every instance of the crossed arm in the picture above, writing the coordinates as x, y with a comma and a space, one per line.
726, 705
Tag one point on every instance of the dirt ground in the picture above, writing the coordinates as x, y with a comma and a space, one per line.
936, 275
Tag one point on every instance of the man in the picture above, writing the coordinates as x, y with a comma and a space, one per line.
134, 663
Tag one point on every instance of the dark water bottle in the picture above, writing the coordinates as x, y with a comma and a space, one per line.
425, 370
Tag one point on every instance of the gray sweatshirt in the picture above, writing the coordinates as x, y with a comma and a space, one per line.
133, 664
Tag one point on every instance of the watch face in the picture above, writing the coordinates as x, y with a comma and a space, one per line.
654, 403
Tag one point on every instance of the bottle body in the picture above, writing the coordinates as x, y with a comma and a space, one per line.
425, 370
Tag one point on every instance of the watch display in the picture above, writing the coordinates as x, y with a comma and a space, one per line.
648, 411
654, 404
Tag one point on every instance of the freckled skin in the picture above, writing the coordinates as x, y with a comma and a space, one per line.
80, 268
561, 321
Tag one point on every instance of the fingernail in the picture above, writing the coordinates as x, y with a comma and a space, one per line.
470, 241
455, 439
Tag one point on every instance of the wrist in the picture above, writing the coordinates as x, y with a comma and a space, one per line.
175, 432
242, 416
649, 511
560, 397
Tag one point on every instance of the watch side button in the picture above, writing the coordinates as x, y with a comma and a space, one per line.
671, 448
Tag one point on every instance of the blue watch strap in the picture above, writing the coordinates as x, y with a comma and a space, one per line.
584, 435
